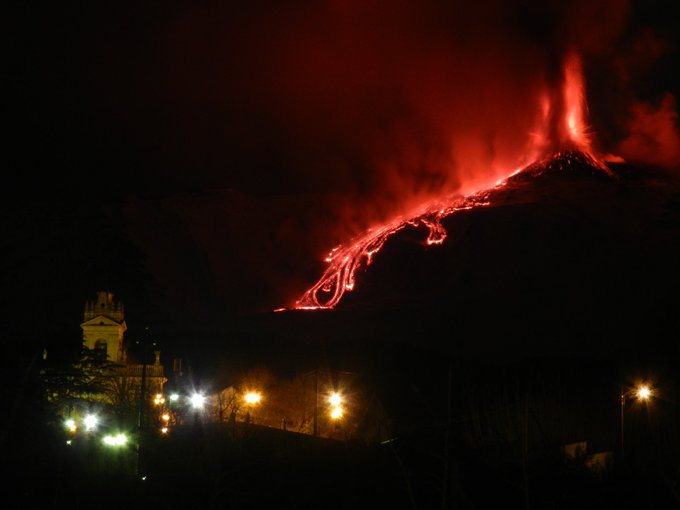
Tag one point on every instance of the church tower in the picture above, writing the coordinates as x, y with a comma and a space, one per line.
104, 326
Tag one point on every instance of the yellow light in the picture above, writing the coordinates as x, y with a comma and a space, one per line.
643, 392
158, 399
165, 417
336, 413
252, 397
164, 430
335, 399
71, 425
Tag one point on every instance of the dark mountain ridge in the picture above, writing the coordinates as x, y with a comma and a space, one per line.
568, 259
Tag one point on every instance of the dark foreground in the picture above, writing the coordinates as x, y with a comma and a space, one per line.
509, 438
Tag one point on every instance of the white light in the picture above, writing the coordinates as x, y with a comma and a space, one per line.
117, 440
174, 397
90, 421
71, 425
335, 399
197, 400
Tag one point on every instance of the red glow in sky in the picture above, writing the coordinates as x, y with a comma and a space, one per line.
271, 133
562, 127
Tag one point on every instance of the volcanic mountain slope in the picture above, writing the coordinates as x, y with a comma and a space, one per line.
566, 254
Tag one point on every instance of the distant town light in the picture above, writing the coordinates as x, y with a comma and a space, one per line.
335, 399
336, 413
643, 392
90, 422
197, 400
158, 399
174, 397
165, 417
71, 425
252, 397
164, 430
115, 440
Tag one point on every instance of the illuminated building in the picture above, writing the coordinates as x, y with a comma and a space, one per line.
103, 331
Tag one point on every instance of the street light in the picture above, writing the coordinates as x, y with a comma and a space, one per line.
90, 422
335, 400
197, 401
117, 440
252, 398
641, 393
336, 413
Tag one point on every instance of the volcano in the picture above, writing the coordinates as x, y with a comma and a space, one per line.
561, 142
572, 252
566, 256
344, 261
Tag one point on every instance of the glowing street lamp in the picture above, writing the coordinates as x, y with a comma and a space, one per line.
115, 440
91, 421
197, 401
71, 425
335, 399
641, 393
337, 413
252, 398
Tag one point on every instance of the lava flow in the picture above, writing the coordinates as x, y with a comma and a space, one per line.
563, 137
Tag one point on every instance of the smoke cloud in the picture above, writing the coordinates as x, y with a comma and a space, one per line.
383, 101
379, 104
653, 134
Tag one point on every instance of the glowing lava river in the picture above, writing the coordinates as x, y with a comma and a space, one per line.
564, 143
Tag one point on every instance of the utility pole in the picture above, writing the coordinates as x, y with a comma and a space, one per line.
315, 372
623, 405
142, 402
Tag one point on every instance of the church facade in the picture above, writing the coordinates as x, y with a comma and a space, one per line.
103, 329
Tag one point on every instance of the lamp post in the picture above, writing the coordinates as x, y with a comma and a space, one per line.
252, 399
640, 393
141, 416
335, 400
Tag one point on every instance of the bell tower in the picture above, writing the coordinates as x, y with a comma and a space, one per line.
104, 326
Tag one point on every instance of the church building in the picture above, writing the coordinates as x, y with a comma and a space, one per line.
103, 330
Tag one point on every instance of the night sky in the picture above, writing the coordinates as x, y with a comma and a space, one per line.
200, 160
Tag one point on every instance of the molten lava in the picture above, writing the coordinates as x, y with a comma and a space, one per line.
562, 140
